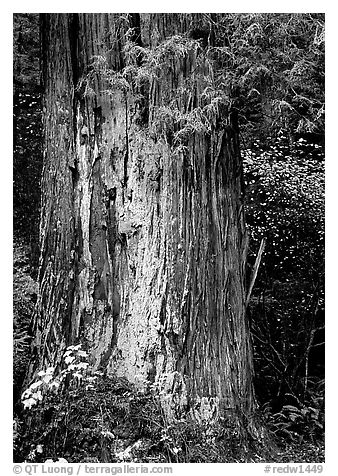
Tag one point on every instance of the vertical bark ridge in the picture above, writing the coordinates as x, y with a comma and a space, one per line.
143, 244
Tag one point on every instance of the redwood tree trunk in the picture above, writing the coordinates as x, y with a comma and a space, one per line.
143, 244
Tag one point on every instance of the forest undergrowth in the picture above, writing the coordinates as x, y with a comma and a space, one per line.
78, 416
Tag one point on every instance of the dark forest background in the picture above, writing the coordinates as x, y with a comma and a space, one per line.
277, 65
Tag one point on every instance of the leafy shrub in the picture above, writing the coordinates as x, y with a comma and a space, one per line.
297, 423
81, 417
27, 127
24, 296
49, 381
87, 423
285, 205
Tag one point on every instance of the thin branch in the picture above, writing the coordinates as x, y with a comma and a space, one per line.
255, 269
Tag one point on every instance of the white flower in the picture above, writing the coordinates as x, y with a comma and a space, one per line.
29, 402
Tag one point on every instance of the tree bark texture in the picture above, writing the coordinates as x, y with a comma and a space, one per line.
143, 248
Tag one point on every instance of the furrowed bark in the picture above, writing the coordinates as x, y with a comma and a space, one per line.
142, 245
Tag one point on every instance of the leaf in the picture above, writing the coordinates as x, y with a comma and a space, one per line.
69, 359
39, 449
82, 365
291, 408
78, 375
36, 385
38, 396
47, 378
29, 403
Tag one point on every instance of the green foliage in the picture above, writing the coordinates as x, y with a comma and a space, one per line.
296, 423
110, 421
27, 163
27, 125
276, 71
24, 296
145, 64
49, 381
200, 98
26, 49
267, 67
285, 204
83, 416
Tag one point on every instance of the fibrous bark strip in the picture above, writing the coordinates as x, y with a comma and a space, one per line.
142, 244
